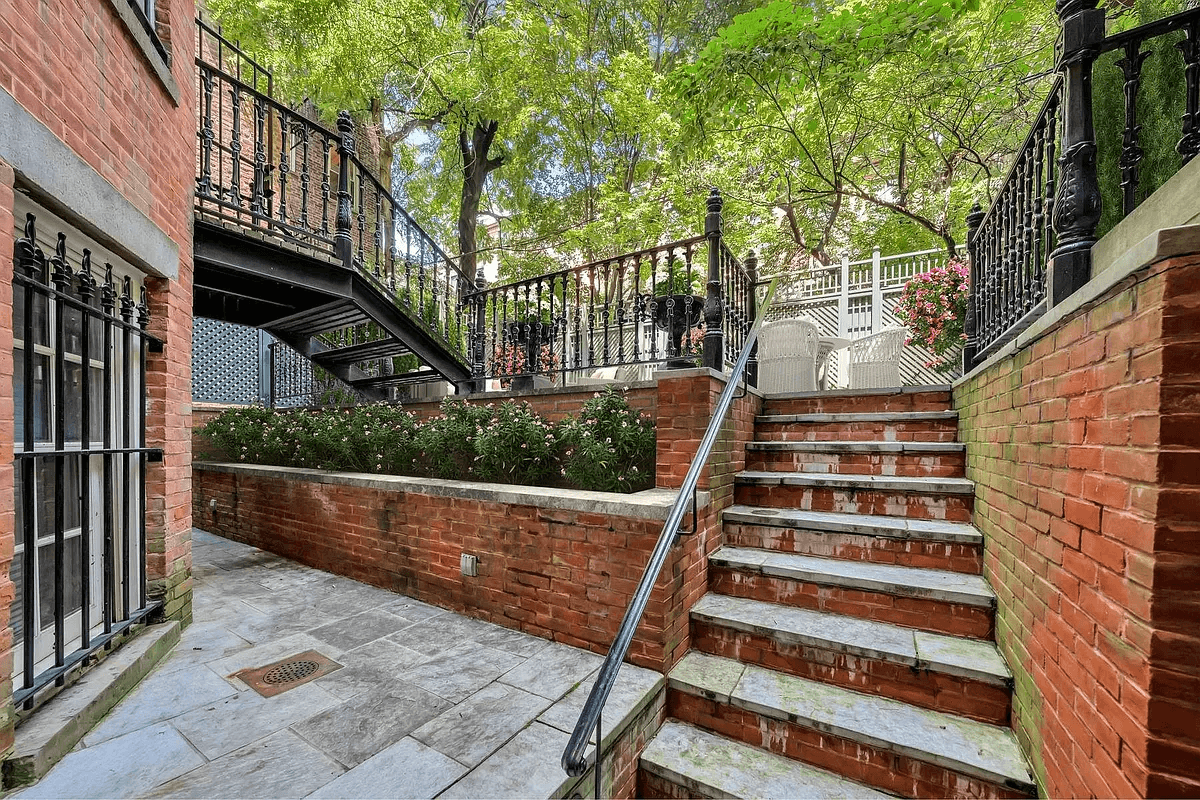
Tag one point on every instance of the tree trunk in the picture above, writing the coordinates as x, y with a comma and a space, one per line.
476, 166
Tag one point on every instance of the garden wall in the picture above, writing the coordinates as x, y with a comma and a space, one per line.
555, 403
1084, 440
556, 563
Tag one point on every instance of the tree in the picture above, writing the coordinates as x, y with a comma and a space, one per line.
836, 116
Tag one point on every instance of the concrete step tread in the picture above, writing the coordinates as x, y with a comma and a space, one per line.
949, 655
825, 480
932, 584
711, 765
870, 416
861, 524
976, 749
859, 447
824, 394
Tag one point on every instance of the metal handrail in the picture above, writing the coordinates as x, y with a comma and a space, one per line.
573, 760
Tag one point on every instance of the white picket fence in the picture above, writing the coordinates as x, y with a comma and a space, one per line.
853, 299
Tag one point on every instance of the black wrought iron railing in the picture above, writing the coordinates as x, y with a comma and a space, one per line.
647, 307
271, 169
1032, 248
574, 760
79, 386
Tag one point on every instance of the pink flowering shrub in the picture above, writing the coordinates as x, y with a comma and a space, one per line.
509, 359
693, 344
933, 306
609, 447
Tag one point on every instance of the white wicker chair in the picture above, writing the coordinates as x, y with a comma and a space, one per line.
875, 359
787, 356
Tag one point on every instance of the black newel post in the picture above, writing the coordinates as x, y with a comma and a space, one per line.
1077, 202
342, 243
478, 363
752, 314
714, 340
971, 323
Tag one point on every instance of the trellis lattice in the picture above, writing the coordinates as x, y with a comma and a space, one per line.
226, 362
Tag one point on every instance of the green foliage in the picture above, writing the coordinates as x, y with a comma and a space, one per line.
933, 306
610, 447
1160, 107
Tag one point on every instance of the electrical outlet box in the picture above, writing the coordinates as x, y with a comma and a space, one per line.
469, 565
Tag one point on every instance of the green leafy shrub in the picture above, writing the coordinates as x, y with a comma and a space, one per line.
610, 447
446, 442
517, 446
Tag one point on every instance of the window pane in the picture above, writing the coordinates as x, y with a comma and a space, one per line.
96, 412
72, 497
41, 398
72, 577
96, 342
41, 319
17, 614
73, 330
44, 496
73, 405
19, 495
18, 311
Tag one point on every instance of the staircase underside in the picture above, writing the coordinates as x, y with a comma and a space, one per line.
250, 279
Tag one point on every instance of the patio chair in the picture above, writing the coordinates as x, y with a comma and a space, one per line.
875, 359
787, 356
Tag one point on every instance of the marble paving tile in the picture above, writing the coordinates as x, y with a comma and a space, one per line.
525, 767
362, 726
407, 769
498, 637
281, 765
200, 643
458, 673
126, 766
350, 632
375, 664
431, 637
472, 730
634, 689
262, 627
411, 609
263, 654
554, 671
222, 727
160, 696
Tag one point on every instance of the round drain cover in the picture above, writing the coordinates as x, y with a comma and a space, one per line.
290, 671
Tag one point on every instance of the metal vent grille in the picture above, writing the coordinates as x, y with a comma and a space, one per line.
287, 673
226, 361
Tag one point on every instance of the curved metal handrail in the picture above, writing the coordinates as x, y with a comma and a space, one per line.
573, 759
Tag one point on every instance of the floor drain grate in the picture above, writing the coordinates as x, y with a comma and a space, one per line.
287, 673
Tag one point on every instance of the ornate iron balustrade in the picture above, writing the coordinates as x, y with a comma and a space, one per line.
684, 303
271, 170
1032, 248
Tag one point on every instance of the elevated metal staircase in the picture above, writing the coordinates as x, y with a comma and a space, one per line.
295, 235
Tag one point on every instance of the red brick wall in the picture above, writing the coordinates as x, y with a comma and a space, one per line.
75, 67
7, 434
553, 405
1085, 452
564, 575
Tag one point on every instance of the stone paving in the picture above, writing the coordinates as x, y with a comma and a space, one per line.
427, 703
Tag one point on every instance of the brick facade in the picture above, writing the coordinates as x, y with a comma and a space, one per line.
77, 68
1085, 452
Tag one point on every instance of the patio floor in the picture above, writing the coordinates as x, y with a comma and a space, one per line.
428, 703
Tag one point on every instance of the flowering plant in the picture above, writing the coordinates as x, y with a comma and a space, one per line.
692, 344
933, 306
509, 359
609, 447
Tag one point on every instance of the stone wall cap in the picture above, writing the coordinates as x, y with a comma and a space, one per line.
647, 504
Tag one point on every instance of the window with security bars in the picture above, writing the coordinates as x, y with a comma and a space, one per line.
79, 350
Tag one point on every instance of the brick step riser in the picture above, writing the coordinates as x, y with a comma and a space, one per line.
650, 785
913, 505
860, 404
927, 465
882, 769
926, 431
933, 690
935, 616
965, 558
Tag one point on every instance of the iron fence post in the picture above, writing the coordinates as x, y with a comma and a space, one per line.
971, 323
752, 313
478, 365
342, 243
714, 340
1077, 202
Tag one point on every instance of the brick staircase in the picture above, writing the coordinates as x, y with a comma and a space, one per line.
846, 646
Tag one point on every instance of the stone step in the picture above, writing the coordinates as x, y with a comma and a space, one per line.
899, 426
860, 537
910, 459
924, 398
932, 670
929, 599
882, 742
705, 764
949, 499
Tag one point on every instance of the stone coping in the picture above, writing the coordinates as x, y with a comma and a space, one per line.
824, 393
1158, 246
647, 504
